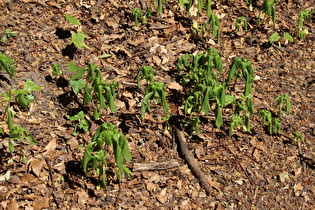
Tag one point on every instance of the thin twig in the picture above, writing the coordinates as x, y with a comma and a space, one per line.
283, 49
52, 181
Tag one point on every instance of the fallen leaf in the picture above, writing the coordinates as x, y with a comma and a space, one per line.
41, 204
162, 196
73, 143
175, 86
82, 197
27, 178
36, 166
13, 205
50, 147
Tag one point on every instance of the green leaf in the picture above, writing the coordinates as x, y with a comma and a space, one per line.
31, 86
218, 115
11, 146
78, 40
87, 156
24, 99
229, 99
274, 37
145, 104
205, 104
77, 85
56, 72
96, 114
87, 95
79, 116
7, 63
72, 20
105, 56
110, 99
250, 105
74, 68
30, 138
124, 148
288, 36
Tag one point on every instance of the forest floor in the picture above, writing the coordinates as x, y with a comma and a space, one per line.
247, 170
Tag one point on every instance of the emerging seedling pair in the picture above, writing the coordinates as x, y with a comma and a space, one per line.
77, 37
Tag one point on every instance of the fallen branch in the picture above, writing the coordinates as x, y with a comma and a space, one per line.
191, 161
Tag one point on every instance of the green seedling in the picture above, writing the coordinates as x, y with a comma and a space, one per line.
303, 16
205, 90
80, 123
96, 152
244, 108
95, 88
236, 121
160, 6
187, 4
136, 14
241, 21
7, 33
146, 73
275, 38
268, 8
77, 38
214, 24
56, 71
242, 67
250, 2
154, 92
7, 64
24, 98
302, 33
284, 99
200, 6
297, 136
274, 124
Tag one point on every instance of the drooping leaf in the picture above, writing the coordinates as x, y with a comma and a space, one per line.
218, 115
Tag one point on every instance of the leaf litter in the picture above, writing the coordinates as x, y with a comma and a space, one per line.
251, 170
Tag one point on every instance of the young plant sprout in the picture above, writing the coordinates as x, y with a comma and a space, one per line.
268, 8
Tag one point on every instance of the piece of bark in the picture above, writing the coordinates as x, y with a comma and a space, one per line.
151, 166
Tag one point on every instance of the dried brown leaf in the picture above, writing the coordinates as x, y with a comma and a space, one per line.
73, 143
36, 166
13, 205
50, 147
162, 196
